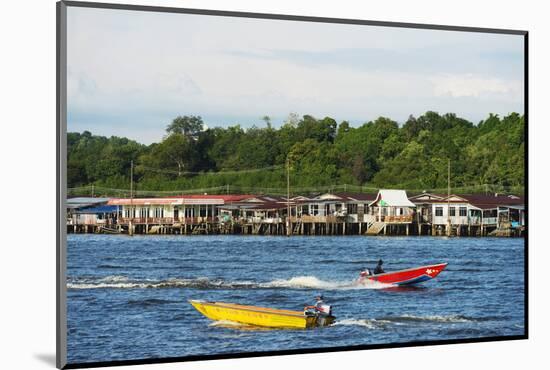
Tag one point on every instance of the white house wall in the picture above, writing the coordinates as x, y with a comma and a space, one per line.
455, 220
168, 210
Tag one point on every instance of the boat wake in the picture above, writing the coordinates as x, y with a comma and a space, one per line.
366, 323
432, 318
297, 282
384, 322
122, 282
311, 282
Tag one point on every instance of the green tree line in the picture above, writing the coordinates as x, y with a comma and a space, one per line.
321, 152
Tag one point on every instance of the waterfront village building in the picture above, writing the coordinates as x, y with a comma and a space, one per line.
316, 215
391, 209
349, 207
338, 213
441, 209
186, 209
393, 206
478, 214
85, 212
388, 211
256, 209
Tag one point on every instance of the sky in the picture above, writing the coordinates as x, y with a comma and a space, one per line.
130, 73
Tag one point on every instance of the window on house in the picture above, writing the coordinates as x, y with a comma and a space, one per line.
129, 212
439, 211
314, 209
463, 211
352, 209
159, 212
452, 211
202, 211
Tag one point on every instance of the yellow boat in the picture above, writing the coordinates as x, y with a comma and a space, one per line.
260, 316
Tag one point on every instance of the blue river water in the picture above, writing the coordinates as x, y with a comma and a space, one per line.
128, 297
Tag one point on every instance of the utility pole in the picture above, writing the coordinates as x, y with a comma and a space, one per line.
448, 197
288, 223
130, 223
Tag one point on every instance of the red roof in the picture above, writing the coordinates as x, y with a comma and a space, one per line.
181, 199
483, 201
493, 201
224, 197
356, 196
143, 201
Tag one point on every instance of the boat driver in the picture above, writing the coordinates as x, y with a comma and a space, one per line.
320, 307
378, 269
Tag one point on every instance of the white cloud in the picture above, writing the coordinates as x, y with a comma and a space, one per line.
476, 86
139, 69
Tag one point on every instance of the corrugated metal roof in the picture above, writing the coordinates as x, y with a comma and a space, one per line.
481, 201
393, 198
144, 201
90, 200
224, 197
356, 196
429, 197
484, 201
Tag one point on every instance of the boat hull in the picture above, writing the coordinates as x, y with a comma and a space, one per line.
407, 277
258, 316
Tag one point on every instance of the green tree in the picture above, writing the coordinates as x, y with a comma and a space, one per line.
175, 150
186, 125
378, 152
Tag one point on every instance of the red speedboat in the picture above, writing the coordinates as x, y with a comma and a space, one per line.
405, 277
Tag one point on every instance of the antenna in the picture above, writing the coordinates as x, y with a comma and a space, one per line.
131, 181
449, 177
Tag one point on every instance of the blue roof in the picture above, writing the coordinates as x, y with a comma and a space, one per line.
97, 210
80, 202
